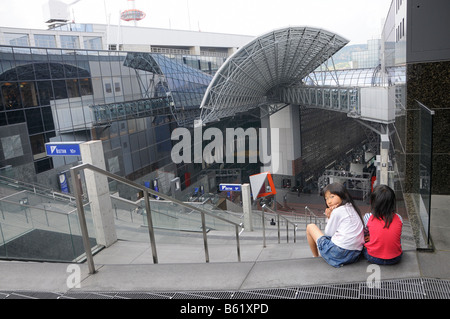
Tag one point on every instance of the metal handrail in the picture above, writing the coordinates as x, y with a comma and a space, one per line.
147, 192
36, 189
264, 207
312, 215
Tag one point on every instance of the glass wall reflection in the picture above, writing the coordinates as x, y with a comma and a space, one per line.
131, 101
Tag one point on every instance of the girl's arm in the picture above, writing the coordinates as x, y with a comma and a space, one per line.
332, 225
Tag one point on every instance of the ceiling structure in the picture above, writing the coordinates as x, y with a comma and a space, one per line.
253, 74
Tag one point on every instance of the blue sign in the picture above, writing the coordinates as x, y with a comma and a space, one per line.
230, 187
63, 149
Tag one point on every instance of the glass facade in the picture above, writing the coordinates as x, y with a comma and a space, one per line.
92, 43
70, 42
358, 77
18, 39
426, 165
45, 40
130, 101
369, 58
75, 27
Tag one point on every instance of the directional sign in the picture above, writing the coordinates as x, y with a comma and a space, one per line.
230, 187
63, 149
257, 181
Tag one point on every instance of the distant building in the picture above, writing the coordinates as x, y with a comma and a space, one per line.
62, 85
415, 36
126, 38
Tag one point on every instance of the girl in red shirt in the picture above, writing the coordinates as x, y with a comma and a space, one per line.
383, 241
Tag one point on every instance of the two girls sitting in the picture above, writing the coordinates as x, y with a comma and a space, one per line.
347, 235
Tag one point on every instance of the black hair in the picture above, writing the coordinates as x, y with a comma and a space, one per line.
341, 191
382, 202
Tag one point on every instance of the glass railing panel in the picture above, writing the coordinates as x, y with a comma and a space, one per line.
126, 210
75, 231
3, 251
172, 221
168, 218
14, 214
170, 215
10, 235
425, 166
37, 231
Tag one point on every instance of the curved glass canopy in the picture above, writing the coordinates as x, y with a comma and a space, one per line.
277, 59
180, 86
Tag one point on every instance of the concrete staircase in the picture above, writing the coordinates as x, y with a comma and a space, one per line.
188, 247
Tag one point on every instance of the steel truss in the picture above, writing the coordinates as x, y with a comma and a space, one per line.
252, 76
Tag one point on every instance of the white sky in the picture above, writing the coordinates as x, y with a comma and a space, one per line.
356, 20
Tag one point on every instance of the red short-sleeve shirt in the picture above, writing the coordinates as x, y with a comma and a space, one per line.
384, 243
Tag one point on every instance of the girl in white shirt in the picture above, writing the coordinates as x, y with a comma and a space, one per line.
343, 238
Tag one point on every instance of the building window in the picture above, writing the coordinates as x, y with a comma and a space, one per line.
45, 92
34, 120
73, 90
113, 47
60, 89
108, 88
15, 117
70, 42
17, 39
403, 27
117, 87
43, 165
86, 86
28, 93
44, 40
38, 146
93, 43
11, 95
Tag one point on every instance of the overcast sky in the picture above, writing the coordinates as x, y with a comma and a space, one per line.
356, 20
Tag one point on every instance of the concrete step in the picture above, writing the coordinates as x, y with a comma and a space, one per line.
187, 247
126, 252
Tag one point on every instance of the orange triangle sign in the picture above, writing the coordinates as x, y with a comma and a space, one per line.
258, 181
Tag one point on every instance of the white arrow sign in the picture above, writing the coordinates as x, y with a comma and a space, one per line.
230, 187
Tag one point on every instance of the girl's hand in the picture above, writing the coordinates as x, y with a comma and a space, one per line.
329, 210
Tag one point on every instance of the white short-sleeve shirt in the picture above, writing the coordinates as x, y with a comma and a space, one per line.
345, 228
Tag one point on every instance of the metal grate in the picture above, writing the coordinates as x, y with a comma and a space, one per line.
342, 291
413, 288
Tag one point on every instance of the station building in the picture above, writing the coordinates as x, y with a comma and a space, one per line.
132, 87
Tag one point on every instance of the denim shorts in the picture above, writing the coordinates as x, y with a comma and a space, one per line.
334, 255
380, 261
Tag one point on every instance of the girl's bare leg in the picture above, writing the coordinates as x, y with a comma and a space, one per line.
312, 234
